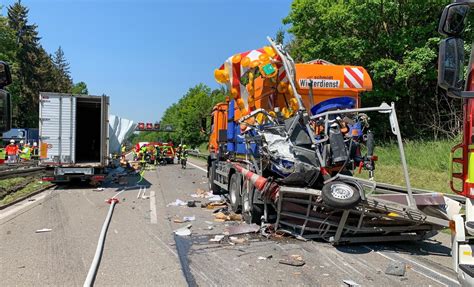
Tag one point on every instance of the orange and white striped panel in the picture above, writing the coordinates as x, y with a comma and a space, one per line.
353, 78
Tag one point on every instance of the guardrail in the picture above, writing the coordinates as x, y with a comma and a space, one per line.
197, 154
23, 171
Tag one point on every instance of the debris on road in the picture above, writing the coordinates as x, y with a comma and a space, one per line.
99, 189
217, 238
43, 230
201, 193
265, 257
243, 228
215, 204
192, 203
221, 217
215, 198
184, 231
185, 219
237, 240
351, 283
396, 268
177, 202
293, 260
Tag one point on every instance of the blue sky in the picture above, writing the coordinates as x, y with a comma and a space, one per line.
146, 54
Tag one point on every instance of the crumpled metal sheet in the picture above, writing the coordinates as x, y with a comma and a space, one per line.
119, 130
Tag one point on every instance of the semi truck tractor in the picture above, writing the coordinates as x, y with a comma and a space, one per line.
73, 136
288, 142
458, 82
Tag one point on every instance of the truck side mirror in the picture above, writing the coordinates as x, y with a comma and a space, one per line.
450, 64
453, 19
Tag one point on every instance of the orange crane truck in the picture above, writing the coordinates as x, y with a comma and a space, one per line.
286, 144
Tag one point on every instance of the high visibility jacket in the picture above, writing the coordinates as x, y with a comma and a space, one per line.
11, 149
124, 149
2, 153
26, 153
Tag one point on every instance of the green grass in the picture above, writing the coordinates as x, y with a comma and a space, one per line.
203, 148
428, 163
31, 187
6, 183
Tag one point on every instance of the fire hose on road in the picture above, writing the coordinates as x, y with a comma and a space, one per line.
100, 245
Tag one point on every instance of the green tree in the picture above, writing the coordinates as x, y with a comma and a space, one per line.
395, 40
62, 71
80, 88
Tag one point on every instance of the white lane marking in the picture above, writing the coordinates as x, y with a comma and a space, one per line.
153, 216
419, 265
23, 204
196, 166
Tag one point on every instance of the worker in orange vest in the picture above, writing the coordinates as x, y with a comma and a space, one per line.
12, 152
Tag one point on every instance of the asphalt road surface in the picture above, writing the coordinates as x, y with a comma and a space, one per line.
141, 250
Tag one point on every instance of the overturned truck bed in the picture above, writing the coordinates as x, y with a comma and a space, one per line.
383, 212
383, 216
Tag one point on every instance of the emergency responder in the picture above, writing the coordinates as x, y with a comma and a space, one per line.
179, 149
143, 151
12, 152
35, 151
184, 157
156, 152
25, 153
123, 150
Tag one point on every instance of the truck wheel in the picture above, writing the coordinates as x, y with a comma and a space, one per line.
338, 194
234, 193
214, 188
252, 213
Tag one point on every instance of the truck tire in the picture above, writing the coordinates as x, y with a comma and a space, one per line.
338, 194
214, 188
252, 213
234, 193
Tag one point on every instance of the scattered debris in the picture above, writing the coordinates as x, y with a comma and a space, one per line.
201, 193
210, 227
351, 283
237, 240
22, 266
43, 230
293, 260
215, 198
31, 199
192, 203
396, 268
217, 238
177, 202
184, 231
265, 257
99, 189
221, 217
243, 228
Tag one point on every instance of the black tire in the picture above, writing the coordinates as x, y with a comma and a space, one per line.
234, 193
252, 213
214, 188
338, 194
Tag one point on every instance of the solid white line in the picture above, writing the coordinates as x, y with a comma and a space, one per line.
418, 264
203, 169
153, 216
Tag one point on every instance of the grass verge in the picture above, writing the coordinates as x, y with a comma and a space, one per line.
29, 188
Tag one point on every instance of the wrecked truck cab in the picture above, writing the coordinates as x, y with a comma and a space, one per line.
285, 146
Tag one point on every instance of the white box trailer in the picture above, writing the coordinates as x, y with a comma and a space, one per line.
74, 136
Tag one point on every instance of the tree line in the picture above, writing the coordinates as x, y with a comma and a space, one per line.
33, 69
